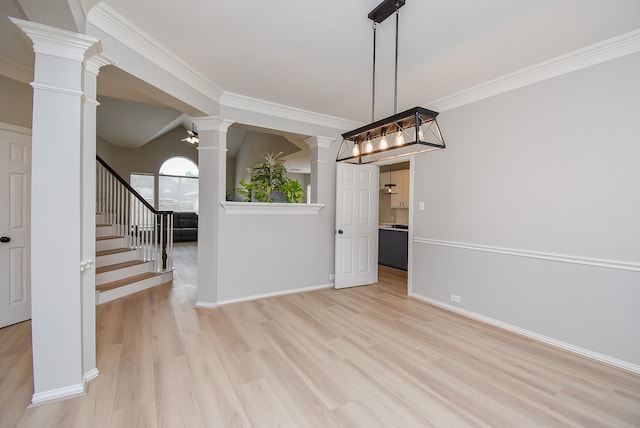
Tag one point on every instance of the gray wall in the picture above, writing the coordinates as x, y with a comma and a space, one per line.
16, 102
254, 145
536, 189
149, 157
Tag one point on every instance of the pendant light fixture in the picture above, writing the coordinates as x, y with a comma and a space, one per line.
390, 188
192, 136
409, 132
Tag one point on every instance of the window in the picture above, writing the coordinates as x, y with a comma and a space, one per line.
144, 184
178, 185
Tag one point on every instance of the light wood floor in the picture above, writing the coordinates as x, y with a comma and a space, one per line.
362, 357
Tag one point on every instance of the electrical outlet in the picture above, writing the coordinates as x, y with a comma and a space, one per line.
332, 277
421, 206
455, 298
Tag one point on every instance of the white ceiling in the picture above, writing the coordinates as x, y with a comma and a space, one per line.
263, 49
316, 55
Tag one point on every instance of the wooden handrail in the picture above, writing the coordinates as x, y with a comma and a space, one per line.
131, 189
161, 217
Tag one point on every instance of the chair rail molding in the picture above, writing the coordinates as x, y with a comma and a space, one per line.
610, 264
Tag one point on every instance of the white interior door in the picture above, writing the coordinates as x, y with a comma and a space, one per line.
15, 197
356, 225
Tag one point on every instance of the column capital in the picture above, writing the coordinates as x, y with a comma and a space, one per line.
94, 63
319, 141
212, 123
55, 41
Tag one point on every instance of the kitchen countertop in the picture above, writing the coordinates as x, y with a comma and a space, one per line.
394, 227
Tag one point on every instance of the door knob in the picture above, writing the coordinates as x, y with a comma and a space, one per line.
5, 239
340, 232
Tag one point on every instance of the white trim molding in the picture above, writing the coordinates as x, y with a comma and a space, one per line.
55, 41
15, 71
90, 375
16, 129
319, 141
606, 50
263, 208
117, 26
609, 264
57, 394
206, 305
58, 89
243, 102
532, 335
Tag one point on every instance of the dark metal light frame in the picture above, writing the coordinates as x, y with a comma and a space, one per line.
410, 132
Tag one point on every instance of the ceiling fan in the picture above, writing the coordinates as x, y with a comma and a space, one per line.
192, 136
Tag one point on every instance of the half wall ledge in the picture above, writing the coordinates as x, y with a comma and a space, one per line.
263, 208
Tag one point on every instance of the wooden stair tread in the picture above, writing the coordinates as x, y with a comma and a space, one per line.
103, 224
125, 281
121, 265
104, 238
114, 251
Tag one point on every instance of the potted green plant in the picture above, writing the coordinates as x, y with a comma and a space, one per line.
269, 182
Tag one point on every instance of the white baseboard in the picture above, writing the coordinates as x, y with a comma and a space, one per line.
205, 305
209, 305
90, 375
535, 336
58, 394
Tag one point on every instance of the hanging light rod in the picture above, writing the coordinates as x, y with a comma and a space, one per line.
412, 131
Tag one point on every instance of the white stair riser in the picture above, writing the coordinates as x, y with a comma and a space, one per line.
101, 219
112, 259
110, 244
125, 272
106, 230
116, 293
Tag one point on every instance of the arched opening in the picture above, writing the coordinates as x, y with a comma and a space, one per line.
178, 185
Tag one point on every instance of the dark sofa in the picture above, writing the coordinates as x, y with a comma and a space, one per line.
185, 226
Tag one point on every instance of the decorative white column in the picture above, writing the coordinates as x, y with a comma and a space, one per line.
321, 169
88, 216
56, 210
212, 162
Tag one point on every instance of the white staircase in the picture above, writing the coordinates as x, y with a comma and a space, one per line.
133, 240
120, 269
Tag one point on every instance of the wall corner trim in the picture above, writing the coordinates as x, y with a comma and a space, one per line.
535, 336
606, 50
90, 375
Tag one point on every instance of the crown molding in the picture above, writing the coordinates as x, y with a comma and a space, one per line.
211, 123
606, 50
117, 26
98, 61
319, 141
243, 102
16, 129
55, 41
15, 71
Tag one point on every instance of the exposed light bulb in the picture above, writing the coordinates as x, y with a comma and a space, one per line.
399, 139
356, 150
383, 143
368, 146
420, 133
